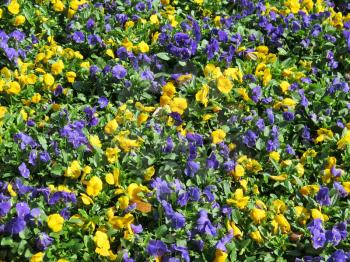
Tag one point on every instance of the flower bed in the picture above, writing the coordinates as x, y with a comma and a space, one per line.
174, 130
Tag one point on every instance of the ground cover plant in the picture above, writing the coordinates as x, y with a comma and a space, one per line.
166, 130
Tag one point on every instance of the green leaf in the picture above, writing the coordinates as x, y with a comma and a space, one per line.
163, 56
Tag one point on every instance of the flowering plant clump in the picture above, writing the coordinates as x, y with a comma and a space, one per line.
166, 130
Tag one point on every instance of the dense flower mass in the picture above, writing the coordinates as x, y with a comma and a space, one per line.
198, 130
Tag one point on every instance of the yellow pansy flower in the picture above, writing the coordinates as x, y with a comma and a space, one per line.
220, 256
309, 189
317, 214
94, 186
302, 214
238, 171
224, 85
142, 118
11, 191
169, 89
143, 47
218, 136
36, 98
14, 88
154, 19
345, 140
279, 206
202, 95
55, 222
281, 223
102, 243
123, 202
71, 76
86, 199
19, 20
111, 127
256, 236
13, 7
58, 5
257, 215
37, 257
239, 200
95, 141
178, 105
149, 173
284, 85
274, 155
3, 111
49, 80
112, 154
57, 67
74, 170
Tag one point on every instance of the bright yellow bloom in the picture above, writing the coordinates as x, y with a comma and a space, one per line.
95, 141
57, 67
3, 111
212, 72
102, 243
13, 7
11, 191
275, 156
345, 140
154, 19
149, 173
74, 170
281, 223
267, 76
129, 24
58, 5
71, 76
236, 231
224, 85
111, 127
169, 89
49, 80
239, 200
94, 186
293, 5
123, 202
121, 222
317, 214
257, 215
302, 214
142, 118
86, 199
279, 206
238, 171
178, 105
112, 154
256, 236
36, 98
234, 74
346, 186
125, 143
109, 179
202, 95
37, 257
14, 89
309, 189
220, 256
218, 136
19, 20
143, 47
55, 222
323, 134
284, 85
